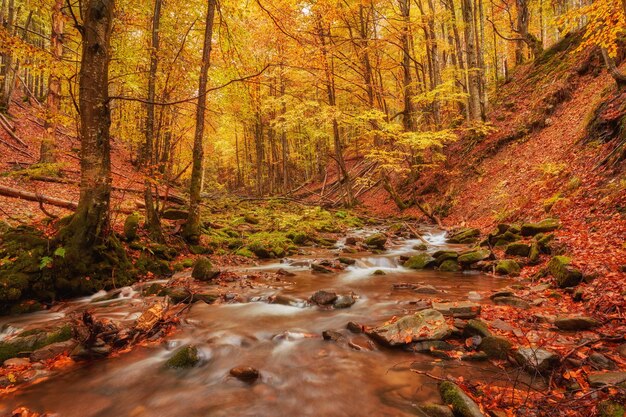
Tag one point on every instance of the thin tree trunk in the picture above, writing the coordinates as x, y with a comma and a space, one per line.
410, 123
474, 108
191, 231
53, 102
153, 223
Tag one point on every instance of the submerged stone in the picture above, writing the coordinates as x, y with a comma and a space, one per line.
324, 297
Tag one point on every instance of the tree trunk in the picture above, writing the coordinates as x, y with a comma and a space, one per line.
88, 232
342, 172
5, 73
474, 108
191, 231
618, 76
153, 223
53, 101
410, 123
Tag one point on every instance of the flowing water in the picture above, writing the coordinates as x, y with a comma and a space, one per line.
301, 374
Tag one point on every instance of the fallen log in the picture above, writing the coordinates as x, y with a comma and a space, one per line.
26, 195
173, 198
41, 199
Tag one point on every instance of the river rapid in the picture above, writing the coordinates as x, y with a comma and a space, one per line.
301, 373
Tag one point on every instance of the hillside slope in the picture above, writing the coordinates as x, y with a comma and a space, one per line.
539, 161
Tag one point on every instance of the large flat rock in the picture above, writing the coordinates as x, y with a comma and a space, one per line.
425, 325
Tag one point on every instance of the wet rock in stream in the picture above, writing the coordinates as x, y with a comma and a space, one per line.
424, 325
184, 357
324, 298
537, 360
246, 374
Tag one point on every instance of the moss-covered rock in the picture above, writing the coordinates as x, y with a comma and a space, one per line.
442, 256
470, 257
30, 341
507, 267
184, 357
421, 247
421, 261
148, 263
475, 327
465, 235
496, 347
164, 252
462, 405
544, 226
131, 225
534, 253
564, 274
203, 270
269, 245
376, 240
517, 249
450, 265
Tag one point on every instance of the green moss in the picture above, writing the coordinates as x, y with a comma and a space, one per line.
203, 270
449, 265
507, 267
564, 274
495, 347
421, 261
33, 341
185, 357
131, 225
462, 405
244, 252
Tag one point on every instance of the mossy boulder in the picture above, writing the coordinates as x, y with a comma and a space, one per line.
376, 241
443, 255
534, 253
148, 263
131, 225
496, 347
184, 357
544, 226
465, 235
517, 249
470, 257
507, 267
450, 265
475, 327
269, 245
203, 270
164, 252
299, 238
564, 274
33, 340
421, 261
462, 405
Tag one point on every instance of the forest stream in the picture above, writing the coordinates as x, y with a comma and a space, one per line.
300, 372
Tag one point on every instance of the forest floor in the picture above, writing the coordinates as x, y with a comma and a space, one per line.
550, 170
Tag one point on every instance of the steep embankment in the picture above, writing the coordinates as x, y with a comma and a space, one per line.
541, 159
